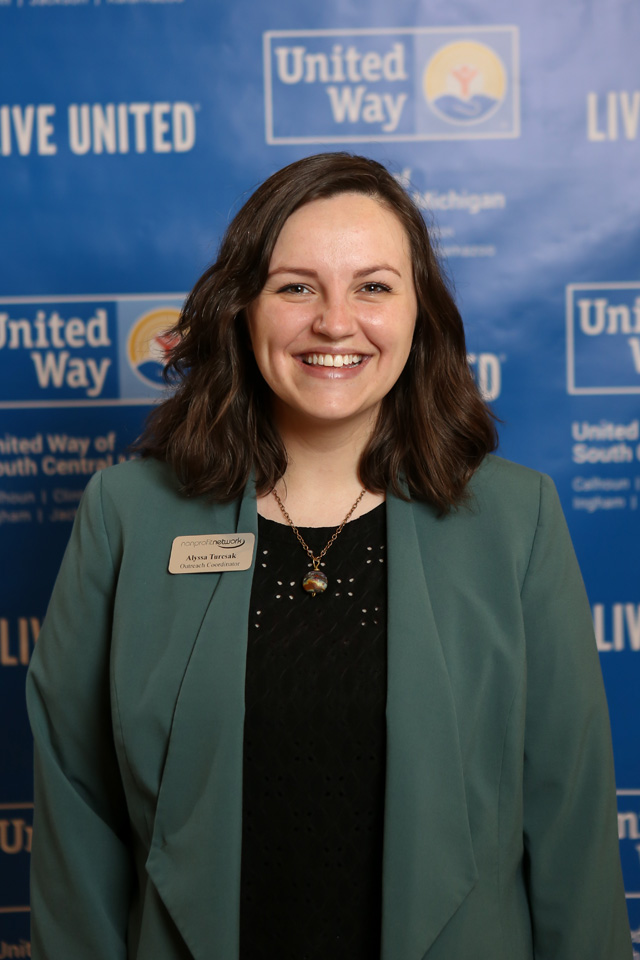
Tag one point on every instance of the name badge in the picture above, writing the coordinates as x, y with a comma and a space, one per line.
212, 553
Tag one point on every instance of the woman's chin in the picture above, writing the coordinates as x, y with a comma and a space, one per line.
317, 415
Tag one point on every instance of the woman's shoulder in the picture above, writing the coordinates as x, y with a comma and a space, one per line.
514, 500
506, 503
140, 507
508, 508
135, 490
522, 495
504, 480
138, 476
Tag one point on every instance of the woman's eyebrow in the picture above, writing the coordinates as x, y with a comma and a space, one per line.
300, 271
304, 272
375, 268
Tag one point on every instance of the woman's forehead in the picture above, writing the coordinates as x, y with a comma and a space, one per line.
346, 223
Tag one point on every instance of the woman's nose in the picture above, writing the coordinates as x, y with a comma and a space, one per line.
335, 319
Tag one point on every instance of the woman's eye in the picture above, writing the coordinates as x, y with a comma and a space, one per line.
376, 288
294, 288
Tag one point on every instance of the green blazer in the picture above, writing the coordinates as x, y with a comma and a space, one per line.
500, 824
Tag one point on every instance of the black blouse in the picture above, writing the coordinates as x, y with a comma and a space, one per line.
314, 747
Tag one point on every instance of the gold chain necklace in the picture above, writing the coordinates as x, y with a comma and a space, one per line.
316, 581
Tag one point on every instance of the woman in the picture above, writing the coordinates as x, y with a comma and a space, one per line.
388, 735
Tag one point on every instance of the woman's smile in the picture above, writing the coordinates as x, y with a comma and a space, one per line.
330, 366
333, 360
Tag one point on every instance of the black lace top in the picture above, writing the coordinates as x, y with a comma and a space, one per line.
314, 747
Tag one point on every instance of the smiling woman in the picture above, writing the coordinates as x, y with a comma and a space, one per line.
333, 255
333, 325
383, 734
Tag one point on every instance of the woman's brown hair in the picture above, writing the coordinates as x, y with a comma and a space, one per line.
433, 428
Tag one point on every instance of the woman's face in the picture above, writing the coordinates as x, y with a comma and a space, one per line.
332, 328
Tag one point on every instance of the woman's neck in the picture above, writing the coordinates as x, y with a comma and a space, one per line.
321, 482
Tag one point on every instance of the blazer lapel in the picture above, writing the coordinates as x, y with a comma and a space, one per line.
429, 866
194, 860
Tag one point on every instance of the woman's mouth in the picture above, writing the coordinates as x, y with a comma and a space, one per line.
332, 359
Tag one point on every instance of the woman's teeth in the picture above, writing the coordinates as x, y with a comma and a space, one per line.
333, 360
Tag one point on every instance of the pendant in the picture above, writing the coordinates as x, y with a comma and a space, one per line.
314, 582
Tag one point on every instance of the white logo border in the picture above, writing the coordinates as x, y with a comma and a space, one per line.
271, 139
572, 389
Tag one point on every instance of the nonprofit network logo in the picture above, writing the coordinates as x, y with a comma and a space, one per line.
422, 83
83, 351
629, 836
603, 338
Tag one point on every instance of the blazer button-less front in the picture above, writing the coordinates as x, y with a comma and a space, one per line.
500, 832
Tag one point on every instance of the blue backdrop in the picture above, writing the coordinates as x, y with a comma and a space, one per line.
131, 130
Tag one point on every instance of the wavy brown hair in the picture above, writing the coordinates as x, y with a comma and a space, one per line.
433, 428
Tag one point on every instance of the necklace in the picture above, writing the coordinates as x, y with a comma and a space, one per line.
316, 581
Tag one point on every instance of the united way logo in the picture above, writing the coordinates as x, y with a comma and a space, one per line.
465, 82
150, 342
603, 338
83, 350
371, 85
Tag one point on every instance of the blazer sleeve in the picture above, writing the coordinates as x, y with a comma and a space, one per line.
81, 870
573, 866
